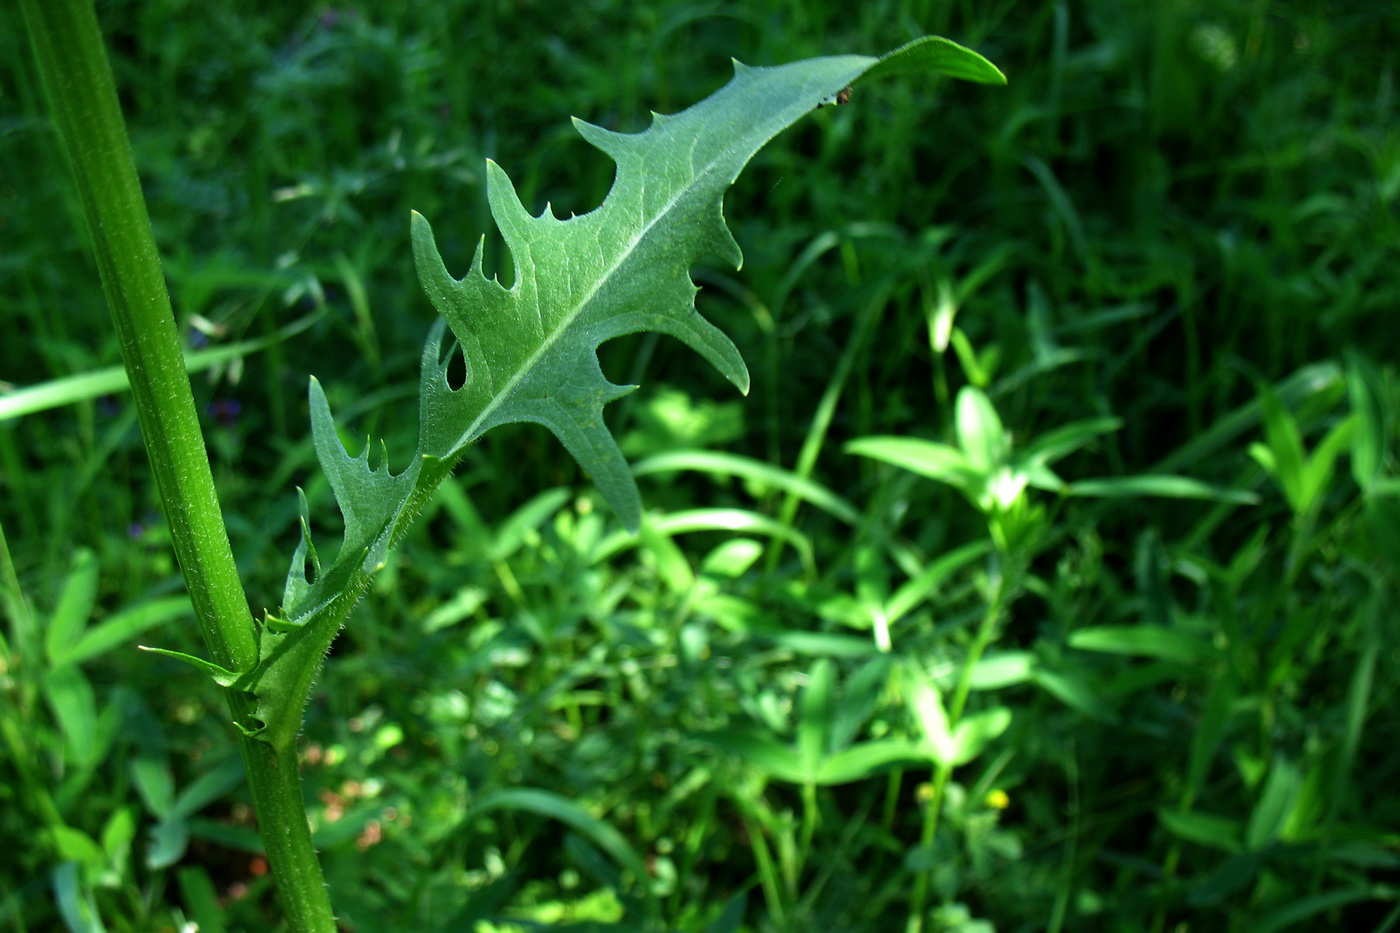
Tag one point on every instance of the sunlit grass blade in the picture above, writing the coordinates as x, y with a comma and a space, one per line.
725, 464
553, 806
1166, 487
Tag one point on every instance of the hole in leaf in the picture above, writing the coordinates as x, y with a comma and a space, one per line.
456, 371
308, 570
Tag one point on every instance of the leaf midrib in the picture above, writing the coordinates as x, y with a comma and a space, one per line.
553, 336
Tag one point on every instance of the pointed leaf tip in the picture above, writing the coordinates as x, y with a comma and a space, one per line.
220, 675
937, 55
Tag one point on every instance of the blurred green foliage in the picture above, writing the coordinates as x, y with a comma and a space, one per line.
816, 682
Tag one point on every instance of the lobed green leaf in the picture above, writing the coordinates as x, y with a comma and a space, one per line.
530, 349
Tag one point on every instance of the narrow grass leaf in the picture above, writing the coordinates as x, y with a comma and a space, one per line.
1319, 469
1383, 517
763, 751
929, 459
866, 759
121, 627
201, 898
1075, 692
524, 521
595, 864
222, 833
214, 784
169, 840
1152, 573
1166, 487
932, 719
118, 835
1065, 440
822, 644
1204, 829
979, 367
732, 559
1233, 876
69, 390
455, 609
74, 845
1275, 803
1285, 444
155, 783
814, 726
74, 705
672, 566
1006, 669
1358, 702
76, 904
746, 617
1308, 382
738, 521
976, 731
730, 917
74, 608
1210, 733
726, 464
1368, 404
915, 591
861, 693
1306, 908
349, 826
547, 804
1147, 641
1061, 203
980, 432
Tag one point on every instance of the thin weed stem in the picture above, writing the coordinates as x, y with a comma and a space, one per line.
1002, 586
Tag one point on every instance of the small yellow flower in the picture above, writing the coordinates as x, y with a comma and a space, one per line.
924, 792
997, 799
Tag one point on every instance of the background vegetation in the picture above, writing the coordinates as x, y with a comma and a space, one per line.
1168, 246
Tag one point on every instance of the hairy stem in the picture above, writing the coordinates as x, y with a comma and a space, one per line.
81, 93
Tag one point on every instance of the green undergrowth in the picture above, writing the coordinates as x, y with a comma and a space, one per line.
1045, 580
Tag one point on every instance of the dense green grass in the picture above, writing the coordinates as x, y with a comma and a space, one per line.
1183, 216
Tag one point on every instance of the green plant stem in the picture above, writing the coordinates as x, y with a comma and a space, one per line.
810, 818
81, 93
767, 870
868, 316
1007, 578
892, 786
930, 830
986, 631
77, 82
